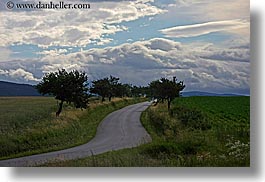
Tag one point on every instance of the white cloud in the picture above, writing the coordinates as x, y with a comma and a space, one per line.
53, 52
18, 74
3, 72
195, 12
56, 67
226, 9
205, 28
210, 10
71, 27
240, 54
199, 65
4, 54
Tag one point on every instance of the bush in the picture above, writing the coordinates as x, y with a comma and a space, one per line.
158, 122
190, 147
162, 150
162, 124
173, 149
113, 103
191, 118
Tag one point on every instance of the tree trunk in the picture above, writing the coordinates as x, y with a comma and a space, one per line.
109, 98
102, 99
168, 104
60, 109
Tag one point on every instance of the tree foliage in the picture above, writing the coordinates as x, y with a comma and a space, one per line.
165, 89
123, 90
106, 87
139, 91
70, 87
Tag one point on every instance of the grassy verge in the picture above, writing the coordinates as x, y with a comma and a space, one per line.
198, 131
28, 124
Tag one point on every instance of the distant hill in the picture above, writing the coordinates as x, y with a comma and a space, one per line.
198, 93
15, 89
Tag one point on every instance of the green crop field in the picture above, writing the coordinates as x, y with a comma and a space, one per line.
28, 124
229, 117
197, 131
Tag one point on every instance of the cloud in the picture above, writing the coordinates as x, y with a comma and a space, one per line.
19, 74
53, 52
205, 28
4, 54
195, 12
202, 67
226, 9
209, 10
222, 66
46, 28
3, 72
239, 54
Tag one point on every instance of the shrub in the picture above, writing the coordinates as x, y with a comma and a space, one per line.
189, 146
173, 149
191, 118
162, 150
157, 121
162, 124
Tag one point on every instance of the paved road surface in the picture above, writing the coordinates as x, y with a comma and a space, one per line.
120, 129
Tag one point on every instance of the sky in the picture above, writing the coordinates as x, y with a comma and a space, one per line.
205, 43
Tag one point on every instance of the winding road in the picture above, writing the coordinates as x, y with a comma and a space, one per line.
120, 129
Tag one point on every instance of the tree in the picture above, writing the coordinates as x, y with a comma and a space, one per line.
70, 87
156, 90
100, 87
106, 87
165, 89
138, 91
113, 86
122, 90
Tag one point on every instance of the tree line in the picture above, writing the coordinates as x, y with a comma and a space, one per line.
73, 87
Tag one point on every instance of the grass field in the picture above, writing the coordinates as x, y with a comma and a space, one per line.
28, 124
198, 131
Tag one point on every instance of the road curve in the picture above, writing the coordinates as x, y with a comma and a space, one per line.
120, 129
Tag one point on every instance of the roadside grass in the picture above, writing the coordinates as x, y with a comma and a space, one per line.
28, 124
198, 131
202, 131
